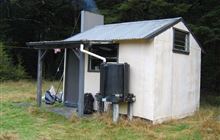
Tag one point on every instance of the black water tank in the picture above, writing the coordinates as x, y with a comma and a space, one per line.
114, 79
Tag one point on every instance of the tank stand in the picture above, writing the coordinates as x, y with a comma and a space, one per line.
101, 107
115, 112
130, 111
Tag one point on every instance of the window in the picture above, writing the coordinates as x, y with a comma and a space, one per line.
181, 41
110, 52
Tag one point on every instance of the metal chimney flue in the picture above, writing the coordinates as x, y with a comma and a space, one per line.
90, 20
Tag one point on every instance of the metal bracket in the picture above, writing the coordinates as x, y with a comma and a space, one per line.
42, 56
76, 52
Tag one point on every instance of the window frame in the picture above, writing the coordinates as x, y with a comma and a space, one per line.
187, 47
89, 57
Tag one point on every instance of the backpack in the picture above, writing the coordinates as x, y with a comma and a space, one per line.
49, 98
88, 103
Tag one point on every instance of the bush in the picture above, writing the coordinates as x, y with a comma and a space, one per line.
8, 71
212, 100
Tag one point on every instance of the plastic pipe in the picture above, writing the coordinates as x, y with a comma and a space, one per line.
92, 54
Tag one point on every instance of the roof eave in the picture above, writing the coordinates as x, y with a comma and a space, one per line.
200, 45
162, 29
152, 35
64, 44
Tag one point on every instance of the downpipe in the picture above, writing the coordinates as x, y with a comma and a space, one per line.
91, 54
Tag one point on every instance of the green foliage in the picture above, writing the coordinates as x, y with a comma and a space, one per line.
8, 71
211, 100
31, 20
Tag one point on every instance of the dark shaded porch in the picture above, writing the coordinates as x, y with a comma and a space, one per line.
73, 76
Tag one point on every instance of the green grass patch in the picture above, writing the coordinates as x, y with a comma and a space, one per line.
21, 119
16, 119
178, 127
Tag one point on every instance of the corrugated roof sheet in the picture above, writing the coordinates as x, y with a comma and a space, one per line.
126, 31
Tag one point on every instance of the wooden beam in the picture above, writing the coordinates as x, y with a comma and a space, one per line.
76, 53
115, 115
64, 73
39, 78
43, 54
130, 111
81, 84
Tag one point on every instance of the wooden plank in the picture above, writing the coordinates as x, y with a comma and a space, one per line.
81, 84
64, 73
39, 78
115, 115
130, 111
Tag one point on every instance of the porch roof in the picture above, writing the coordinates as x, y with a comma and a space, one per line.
110, 33
63, 43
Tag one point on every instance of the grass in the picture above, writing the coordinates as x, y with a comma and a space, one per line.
32, 123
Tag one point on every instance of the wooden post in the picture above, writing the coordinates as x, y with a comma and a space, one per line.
64, 73
39, 78
101, 106
81, 84
115, 114
130, 111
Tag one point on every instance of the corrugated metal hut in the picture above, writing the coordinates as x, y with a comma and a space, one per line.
163, 55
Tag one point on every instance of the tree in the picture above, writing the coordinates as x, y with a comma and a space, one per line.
8, 71
32, 20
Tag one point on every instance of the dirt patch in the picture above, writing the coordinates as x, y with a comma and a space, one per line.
8, 136
218, 118
64, 111
210, 129
23, 104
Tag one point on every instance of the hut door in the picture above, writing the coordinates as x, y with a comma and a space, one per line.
71, 88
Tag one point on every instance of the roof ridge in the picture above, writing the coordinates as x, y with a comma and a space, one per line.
129, 22
119, 31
